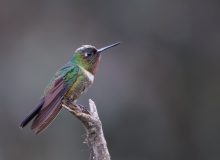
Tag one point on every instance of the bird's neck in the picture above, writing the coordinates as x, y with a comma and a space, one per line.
90, 67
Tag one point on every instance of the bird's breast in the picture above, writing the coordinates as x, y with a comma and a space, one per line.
81, 85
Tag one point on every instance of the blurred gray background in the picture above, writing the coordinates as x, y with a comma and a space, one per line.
157, 93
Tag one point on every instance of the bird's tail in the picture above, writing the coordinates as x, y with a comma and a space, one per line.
48, 109
46, 115
32, 114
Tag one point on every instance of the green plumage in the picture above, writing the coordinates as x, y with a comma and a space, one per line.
68, 83
68, 73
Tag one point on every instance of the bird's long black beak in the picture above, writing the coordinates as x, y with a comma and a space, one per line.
107, 47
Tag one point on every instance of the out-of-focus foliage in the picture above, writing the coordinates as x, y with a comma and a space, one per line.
158, 94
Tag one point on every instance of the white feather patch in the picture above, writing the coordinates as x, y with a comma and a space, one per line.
88, 74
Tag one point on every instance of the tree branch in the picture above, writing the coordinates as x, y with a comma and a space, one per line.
95, 136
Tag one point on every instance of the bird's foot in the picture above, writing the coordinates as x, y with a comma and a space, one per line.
83, 109
74, 107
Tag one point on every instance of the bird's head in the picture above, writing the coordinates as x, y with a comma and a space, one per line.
89, 57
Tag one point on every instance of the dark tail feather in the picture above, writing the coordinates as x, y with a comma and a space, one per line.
46, 116
32, 114
50, 108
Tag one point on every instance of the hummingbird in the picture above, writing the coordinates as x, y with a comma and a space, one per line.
68, 83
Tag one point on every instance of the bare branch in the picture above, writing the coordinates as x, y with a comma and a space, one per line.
92, 123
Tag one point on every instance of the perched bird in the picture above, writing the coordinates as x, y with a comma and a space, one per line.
69, 83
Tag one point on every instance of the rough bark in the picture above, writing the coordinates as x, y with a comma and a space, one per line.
93, 126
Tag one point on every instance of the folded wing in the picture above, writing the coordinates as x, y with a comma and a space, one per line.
50, 104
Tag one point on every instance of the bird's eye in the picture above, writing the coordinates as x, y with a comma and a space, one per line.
87, 54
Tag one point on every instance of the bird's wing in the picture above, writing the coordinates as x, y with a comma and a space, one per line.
53, 97
59, 75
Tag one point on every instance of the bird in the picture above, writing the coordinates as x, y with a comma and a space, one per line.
68, 83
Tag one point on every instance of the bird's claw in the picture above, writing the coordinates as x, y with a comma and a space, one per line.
83, 109
79, 107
